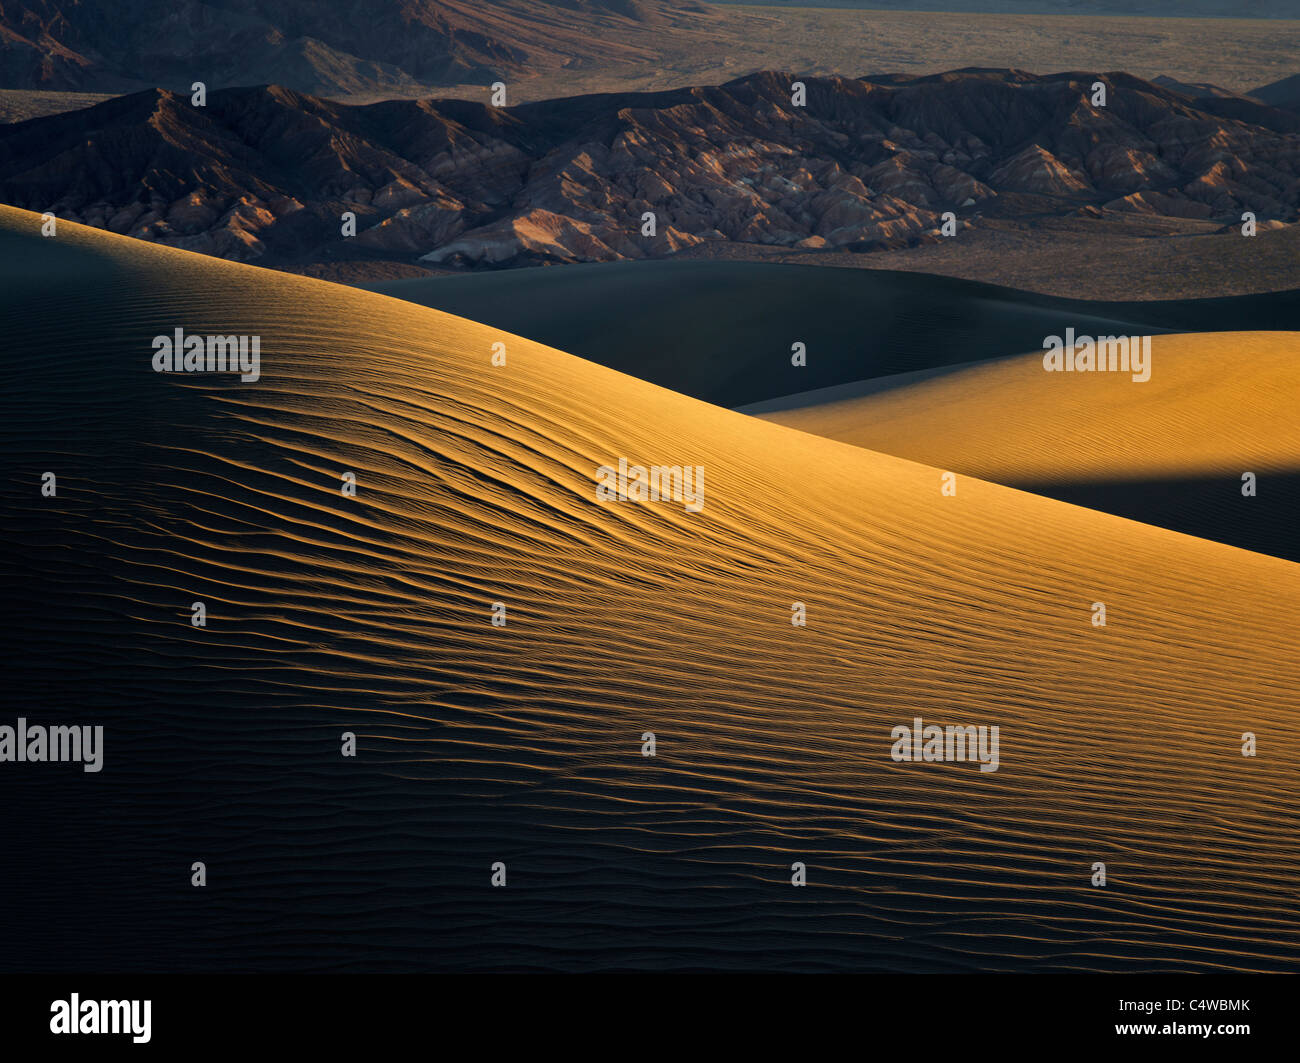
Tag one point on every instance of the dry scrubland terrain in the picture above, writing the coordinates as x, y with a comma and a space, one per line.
1122, 257
421, 48
476, 484
1236, 54
18, 105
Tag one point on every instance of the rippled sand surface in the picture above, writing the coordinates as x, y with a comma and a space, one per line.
476, 484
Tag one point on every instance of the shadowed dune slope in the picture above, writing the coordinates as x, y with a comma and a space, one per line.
522, 744
1170, 450
722, 331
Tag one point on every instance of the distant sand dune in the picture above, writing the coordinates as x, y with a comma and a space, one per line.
723, 331
1216, 406
522, 744
1215, 402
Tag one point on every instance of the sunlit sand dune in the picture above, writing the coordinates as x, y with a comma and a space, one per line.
522, 744
1214, 402
1171, 450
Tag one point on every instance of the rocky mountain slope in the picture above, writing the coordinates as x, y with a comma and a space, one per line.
319, 45
270, 173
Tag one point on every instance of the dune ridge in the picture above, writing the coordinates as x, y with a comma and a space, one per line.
723, 331
1215, 402
476, 484
1171, 450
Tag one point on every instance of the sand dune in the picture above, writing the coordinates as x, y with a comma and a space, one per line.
722, 331
476, 484
1171, 450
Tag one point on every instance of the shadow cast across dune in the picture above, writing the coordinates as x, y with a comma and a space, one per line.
724, 331
1209, 507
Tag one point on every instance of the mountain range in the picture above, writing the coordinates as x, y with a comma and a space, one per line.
269, 173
